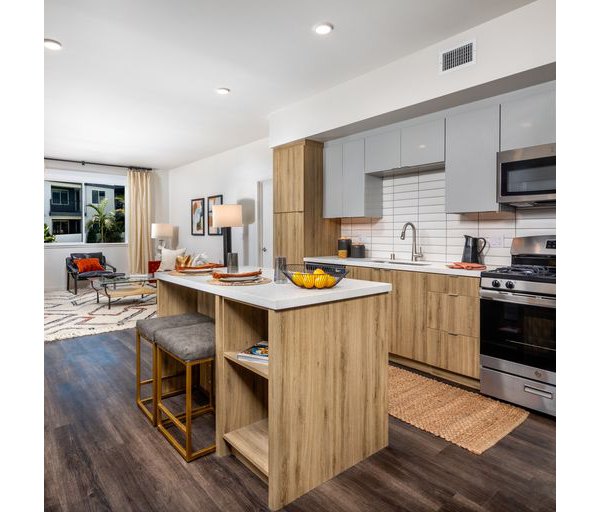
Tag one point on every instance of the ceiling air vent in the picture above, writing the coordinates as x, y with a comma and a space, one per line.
458, 57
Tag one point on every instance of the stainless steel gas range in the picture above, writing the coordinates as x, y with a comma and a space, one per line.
518, 326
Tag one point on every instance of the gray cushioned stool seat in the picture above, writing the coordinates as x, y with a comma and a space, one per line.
150, 326
190, 342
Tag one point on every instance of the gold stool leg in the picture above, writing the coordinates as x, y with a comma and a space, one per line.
155, 384
211, 383
158, 386
150, 414
138, 371
188, 412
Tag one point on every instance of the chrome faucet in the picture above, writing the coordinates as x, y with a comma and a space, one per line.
415, 255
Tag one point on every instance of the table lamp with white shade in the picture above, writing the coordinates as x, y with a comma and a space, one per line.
227, 216
161, 232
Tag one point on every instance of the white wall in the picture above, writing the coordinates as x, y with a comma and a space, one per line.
234, 174
516, 42
420, 198
160, 196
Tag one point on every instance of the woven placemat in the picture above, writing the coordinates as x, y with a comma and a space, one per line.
465, 418
262, 280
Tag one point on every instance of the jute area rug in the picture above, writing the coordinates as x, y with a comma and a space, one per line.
67, 315
467, 419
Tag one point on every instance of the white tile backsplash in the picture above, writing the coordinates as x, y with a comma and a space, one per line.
420, 198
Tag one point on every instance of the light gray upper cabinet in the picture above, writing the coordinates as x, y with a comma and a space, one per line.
472, 141
332, 182
354, 178
529, 120
382, 151
348, 191
422, 143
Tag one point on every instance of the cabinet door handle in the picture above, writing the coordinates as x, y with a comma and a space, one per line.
453, 294
452, 334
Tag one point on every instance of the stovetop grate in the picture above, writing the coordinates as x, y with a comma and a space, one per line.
527, 270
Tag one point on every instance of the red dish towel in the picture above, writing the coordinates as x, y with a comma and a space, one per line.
467, 266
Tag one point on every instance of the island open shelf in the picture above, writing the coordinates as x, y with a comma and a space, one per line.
252, 443
258, 368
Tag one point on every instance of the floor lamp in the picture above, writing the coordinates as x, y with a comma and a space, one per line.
227, 216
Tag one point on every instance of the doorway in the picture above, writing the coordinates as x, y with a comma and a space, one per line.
265, 226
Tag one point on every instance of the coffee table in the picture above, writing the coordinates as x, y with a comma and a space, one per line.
123, 286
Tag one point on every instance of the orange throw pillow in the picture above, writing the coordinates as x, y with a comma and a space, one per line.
88, 265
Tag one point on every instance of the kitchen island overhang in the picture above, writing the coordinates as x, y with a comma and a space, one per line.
320, 405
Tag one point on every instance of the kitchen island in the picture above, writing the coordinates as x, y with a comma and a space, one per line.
320, 405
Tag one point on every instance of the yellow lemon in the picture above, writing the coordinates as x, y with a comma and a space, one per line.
321, 280
308, 280
319, 271
330, 281
297, 279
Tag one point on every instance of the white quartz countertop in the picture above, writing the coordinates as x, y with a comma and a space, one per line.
432, 268
279, 296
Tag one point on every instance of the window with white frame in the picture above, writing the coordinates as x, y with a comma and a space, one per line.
85, 212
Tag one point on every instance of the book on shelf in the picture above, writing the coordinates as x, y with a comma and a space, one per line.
257, 353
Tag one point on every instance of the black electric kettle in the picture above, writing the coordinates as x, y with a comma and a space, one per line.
471, 252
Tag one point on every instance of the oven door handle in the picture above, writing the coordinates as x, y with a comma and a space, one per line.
518, 298
538, 392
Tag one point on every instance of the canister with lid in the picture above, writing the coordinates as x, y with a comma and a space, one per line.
344, 246
357, 251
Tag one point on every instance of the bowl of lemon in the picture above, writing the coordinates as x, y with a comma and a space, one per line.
312, 276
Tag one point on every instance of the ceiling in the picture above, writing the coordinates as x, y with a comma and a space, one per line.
135, 81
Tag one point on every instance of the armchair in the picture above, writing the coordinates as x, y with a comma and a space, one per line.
73, 271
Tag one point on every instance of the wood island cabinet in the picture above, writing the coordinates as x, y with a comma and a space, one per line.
434, 321
319, 406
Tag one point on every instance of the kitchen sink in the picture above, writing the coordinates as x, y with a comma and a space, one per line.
403, 262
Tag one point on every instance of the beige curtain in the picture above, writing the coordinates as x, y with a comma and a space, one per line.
140, 201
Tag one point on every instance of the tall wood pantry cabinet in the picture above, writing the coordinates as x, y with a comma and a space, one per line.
300, 229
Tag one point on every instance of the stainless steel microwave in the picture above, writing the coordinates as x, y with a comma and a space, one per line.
527, 176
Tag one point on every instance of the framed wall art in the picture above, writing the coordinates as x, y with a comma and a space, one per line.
212, 201
197, 216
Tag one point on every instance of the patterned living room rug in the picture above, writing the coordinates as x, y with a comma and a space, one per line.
67, 315
465, 418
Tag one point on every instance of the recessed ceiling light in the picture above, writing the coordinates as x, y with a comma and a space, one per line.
52, 44
223, 90
323, 28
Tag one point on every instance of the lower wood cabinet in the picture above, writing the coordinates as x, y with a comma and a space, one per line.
452, 352
455, 314
435, 318
362, 273
409, 296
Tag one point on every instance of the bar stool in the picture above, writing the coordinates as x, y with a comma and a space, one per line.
146, 330
191, 345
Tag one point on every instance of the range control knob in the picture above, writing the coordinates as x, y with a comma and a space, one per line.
496, 283
510, 285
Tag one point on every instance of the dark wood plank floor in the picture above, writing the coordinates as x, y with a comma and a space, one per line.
102, 454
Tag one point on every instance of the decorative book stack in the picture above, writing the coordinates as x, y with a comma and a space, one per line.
257, 353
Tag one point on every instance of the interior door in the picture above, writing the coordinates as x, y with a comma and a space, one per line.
265, 240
